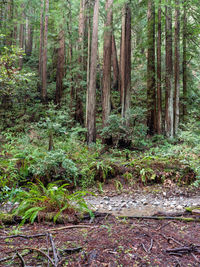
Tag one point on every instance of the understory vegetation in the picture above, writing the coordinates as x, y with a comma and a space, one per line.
25, 157
112, 96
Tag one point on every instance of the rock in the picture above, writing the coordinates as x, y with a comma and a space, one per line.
109, 208
179, 207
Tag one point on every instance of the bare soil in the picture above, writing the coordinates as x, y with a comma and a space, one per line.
109, 242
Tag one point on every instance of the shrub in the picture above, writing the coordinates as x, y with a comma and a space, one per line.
53, 198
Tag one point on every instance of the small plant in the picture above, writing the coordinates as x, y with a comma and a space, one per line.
53, 198
118, 186
100, 187
129, 177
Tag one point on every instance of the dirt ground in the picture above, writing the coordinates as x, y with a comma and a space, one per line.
105, 241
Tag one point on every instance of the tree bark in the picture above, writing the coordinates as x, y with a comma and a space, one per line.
41, 37
9, 25
169, 114
60, 66
79, 115
126, 61
115, 65
176, 67
29, 38
151, 86
184, 64
44, 56
159, 72
91, 108
106, 103
21, 38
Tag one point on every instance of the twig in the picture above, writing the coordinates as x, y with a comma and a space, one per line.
50, 230
149, 249
13, 257
21, 259
56, 259
184, 219
22, 236
70, 227
34, 249
171, 238
47, 238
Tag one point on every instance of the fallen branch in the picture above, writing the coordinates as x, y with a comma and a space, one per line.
185, 219
55, 255
33, 249
22, 236
14, 257
21, 259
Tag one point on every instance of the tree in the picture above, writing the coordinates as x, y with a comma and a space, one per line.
41, 38
91, 106
60, 66
151, 86
79, 115
125, 62
159, 72
44, 56
184, 63
106, 102
169, 114
176, 66
115, 65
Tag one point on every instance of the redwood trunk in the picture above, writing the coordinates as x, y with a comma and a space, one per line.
159, 73
176, 67
44, 57
91, 107
184, 64
79, 116
151, 86
60, 66
106, 103
115, 65
169, 73
41, 37
126, 61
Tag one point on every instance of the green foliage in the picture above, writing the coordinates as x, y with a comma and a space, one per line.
11, 78
39, 199
54, 165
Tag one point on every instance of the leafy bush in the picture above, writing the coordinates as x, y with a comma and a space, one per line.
53, 198
54, 165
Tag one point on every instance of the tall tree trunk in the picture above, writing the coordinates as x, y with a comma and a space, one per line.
176, 67
106, 103
29, 38
79, 116
169, 114
184, 64
159, 72
41, 38
91, 108
44, 57
21, 37
60, 66
9, 25
88, 59
115, 65
70, 58
126, 61
151, 86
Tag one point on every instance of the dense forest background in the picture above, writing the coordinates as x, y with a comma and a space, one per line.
86, 86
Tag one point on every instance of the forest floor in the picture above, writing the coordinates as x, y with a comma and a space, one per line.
106, 240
